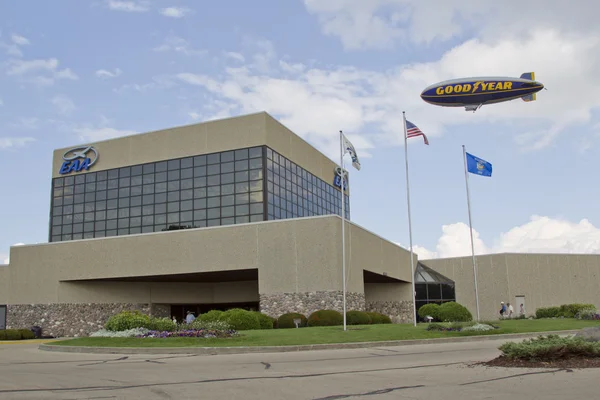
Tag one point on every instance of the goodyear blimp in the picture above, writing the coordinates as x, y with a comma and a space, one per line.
472, 93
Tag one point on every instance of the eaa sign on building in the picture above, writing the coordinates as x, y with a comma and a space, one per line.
78, 159
338, 178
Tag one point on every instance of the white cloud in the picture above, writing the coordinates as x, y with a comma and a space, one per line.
380, 24
13, 142
178, 45
127, 6
64, 104
317, 101
235, 56
20, 40
34, 70
174, 12
103, 73
541, 234
94, 134
158, 82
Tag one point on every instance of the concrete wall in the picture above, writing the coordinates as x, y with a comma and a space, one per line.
158, 292
544, 279
207, 137
295, 255
4, 286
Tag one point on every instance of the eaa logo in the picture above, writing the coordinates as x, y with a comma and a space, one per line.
338, 178
78, 159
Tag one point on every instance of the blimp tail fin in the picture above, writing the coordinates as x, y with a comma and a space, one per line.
529, 97
528, 75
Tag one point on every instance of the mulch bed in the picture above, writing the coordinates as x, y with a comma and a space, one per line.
574, 362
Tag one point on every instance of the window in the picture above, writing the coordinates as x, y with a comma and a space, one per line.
293, 192
432, 287
206, 190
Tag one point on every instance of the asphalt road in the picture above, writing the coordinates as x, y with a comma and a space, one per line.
432, 372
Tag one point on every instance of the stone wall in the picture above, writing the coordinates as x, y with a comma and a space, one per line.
73, 320
306, 303
400, 312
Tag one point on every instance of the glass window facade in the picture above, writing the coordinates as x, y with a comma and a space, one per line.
432, 287
293, 192
206, 190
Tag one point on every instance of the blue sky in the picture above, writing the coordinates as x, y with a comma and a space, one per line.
75, 72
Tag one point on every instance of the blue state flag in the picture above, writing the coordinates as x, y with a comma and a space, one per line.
477, 166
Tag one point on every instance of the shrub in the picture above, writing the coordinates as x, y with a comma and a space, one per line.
127, 320
287, 320
358, 318
378, 318
564, 311
198, 324
325, 318
161, 324
211, 316
431, 310
550, 347
16, 334
571, 310
547, 312
444, 328
454, 312
588, 313
265, 321
26, 334
241, 320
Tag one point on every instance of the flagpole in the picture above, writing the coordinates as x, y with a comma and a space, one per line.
412, 268
471, 230
343, 225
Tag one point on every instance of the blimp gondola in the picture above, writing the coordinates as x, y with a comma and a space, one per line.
472, 93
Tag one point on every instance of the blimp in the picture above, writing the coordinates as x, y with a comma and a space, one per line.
472, 93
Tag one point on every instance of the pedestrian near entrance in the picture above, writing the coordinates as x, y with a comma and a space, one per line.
190, 317
511, 310
502, 309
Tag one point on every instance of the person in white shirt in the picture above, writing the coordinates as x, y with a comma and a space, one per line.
190, 317
511, 310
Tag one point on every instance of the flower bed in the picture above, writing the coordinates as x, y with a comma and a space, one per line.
199, 333
462, 327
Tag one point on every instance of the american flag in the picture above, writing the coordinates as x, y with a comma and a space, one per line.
412, 131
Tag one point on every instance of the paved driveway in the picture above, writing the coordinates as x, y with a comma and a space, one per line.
432, 372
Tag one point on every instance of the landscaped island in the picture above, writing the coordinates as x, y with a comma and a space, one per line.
239, 327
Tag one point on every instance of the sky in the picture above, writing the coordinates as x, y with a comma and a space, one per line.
76, 72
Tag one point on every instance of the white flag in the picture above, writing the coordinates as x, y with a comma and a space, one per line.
349, 148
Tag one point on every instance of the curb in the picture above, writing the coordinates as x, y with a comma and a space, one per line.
284, 349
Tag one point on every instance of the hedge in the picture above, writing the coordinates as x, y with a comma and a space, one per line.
378, 318
432, 310
325, 318
454, 312
565, 310
240, 319
358, 318
16, 334
211, 316
264, 320
286, 321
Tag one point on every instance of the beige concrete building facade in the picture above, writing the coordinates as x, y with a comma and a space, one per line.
238, 212
534, 280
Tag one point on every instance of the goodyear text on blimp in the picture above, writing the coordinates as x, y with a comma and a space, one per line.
475, 87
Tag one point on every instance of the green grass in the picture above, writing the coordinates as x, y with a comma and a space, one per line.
316, 335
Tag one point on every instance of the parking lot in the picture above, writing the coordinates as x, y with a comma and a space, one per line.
438, 371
